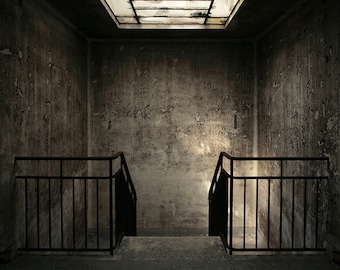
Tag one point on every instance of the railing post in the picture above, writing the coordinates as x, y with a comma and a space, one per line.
257, 213
226, 208
97, 210
111, 218
26, 212
85, 212
49, 215
231, 205
244, 210
317, 213
221, 157
38, 212
73, 215
281, 200
61, 205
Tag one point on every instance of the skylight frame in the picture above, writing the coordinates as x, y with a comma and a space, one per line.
172, 14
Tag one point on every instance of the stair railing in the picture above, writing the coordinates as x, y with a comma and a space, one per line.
74, 203
280, 208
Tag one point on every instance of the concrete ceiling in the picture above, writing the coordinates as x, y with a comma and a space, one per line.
253, 18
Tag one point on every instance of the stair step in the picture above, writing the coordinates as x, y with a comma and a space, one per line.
171, 248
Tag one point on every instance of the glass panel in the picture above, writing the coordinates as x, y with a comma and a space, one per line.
219, 9
177, 12
231, 5
120, 8
171, 5
172, 13
172, 21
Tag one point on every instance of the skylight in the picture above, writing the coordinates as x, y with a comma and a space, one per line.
172, 14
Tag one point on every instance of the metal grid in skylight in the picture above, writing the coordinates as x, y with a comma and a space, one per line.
172, 14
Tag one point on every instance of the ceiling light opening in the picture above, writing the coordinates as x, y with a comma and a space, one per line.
172, 14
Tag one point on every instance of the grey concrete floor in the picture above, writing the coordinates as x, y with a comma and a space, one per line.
194, 252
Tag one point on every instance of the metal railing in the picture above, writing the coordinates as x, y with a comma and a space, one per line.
269, 204
74, 203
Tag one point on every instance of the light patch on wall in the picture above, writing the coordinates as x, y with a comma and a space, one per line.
172, 14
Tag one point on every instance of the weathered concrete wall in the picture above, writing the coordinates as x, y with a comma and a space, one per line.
172, 107
43, 97
298, 93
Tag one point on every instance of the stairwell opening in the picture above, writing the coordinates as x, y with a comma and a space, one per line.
267, 204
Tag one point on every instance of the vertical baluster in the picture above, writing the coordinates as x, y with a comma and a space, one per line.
227, 209
38, 212
73, 216
317, 213
97, 189
85, 212
281, 213
257, 213
304, 213
49, 214
61, 205
111, 215
244, 211
231, 204
293, 210
268, 216
281, 186
26, 212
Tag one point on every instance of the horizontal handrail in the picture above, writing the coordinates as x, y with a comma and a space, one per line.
129, 180
115, 156
278, 177
234, 158
272, 158
62, 177
214, 180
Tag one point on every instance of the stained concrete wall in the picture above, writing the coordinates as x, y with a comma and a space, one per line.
172, 106
298, 94
43, 97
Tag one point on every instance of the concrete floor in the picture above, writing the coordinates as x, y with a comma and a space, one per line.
150, 252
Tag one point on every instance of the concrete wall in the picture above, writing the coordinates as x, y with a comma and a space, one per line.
172, 107
43, 97
298, 94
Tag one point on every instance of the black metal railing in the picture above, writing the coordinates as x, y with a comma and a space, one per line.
125, 197
74, 203
269, 204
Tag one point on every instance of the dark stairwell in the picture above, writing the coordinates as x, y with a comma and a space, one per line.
152, 250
